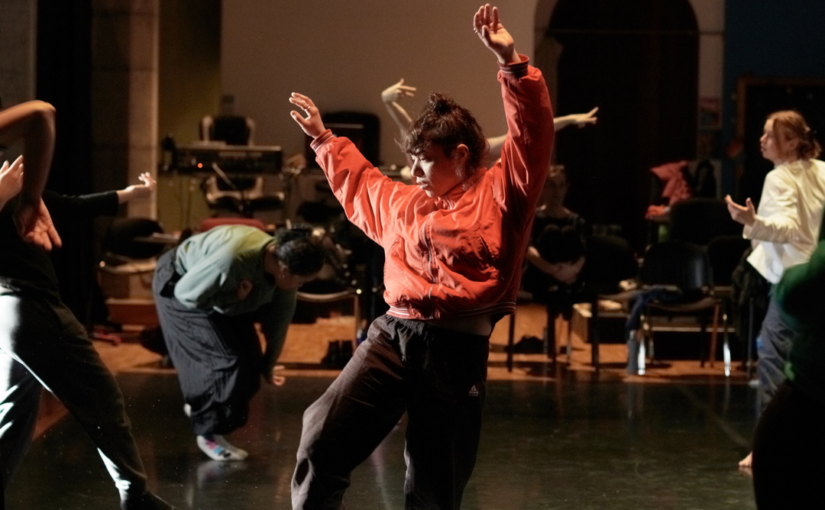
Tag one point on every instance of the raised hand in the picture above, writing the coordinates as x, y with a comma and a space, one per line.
144, 190
34, 224
311, 124
394, 92
744, 215
493, 34
582, 119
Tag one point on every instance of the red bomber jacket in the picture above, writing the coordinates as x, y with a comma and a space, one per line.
460, 254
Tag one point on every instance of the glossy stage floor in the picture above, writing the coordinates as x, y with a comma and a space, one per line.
569, 439
563, 444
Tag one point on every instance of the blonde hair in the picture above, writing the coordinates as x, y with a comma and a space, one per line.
791, 124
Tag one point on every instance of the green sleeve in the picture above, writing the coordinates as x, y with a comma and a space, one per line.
275, 319
800, 290
202, 283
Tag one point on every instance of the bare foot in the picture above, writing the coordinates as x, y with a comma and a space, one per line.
746, 462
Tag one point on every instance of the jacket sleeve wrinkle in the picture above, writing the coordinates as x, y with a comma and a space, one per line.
364, 192
527, 148
781, 227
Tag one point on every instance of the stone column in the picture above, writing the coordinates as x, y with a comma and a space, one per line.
18, 36
125, 95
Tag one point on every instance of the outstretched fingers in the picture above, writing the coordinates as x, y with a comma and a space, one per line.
310, 122
304, 103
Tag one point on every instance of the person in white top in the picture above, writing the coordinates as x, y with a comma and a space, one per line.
784, 230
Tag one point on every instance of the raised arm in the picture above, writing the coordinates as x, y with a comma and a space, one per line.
363, 191
32, 122
525, 153
390, 97
559, 123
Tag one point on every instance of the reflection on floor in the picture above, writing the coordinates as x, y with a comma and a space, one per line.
551, 439
566, 443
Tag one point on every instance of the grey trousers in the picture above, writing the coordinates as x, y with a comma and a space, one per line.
437, 376
43, 344
218, 358
773, 346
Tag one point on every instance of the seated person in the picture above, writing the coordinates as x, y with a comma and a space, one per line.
557, 253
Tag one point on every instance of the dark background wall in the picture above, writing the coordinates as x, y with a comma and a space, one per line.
770, 40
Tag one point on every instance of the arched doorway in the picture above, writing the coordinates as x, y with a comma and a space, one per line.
637, 60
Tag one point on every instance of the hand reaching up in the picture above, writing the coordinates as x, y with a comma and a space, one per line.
493, 34
395, 92
312, 123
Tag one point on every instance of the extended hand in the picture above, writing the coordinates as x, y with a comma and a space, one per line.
11, 179
493, 34
144, 190
34, 224
744, 215
394, 92
311, 124
582, 119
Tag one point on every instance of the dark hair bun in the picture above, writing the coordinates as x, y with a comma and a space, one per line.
440, 104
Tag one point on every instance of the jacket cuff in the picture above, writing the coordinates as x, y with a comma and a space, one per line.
516, 70
321, 140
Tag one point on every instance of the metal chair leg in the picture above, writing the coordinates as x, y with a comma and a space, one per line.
726, 344
511, 331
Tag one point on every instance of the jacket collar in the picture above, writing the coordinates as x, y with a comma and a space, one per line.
451, 198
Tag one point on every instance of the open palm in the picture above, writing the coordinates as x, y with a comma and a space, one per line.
493, 34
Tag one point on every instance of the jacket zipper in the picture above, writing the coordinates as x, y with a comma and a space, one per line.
429, 262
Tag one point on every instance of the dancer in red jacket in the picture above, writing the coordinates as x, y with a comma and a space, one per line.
454, 245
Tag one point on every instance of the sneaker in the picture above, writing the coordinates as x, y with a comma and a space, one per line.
146, 501
241, 453
187, 410
218, 448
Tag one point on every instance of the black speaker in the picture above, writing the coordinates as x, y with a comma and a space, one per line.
363, 129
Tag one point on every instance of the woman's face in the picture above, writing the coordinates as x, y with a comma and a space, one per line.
774, 148
434, 172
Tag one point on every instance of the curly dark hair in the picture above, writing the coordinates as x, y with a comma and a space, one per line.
302, 254
447, 125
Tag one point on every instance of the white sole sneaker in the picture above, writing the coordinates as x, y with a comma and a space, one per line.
217, 448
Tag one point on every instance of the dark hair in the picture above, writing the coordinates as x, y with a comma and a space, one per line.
446, 124
792, 125
302, 254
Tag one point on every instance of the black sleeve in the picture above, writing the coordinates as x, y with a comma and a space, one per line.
87, 206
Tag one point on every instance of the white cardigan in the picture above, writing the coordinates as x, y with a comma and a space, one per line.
788, 219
